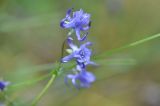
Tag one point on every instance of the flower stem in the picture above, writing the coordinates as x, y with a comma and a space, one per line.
108, 53
54, 74
9, 101
35, 101
26, 83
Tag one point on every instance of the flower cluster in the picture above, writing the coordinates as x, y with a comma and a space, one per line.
79, 22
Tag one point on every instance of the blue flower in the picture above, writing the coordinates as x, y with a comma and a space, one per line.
82, 79
81, 54
3, 85
79, 22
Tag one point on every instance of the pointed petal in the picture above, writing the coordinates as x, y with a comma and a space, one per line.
68, 13
85, 28
70, 76
62, 23
67, 58
68, 24
78, 34
92, 63
86, 44
86, 19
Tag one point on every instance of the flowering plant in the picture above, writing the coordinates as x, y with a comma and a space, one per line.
80, 52
79, 22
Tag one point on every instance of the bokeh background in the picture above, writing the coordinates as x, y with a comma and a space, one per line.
31, 39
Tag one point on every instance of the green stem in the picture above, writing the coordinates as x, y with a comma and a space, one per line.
108, 53
35, 101
29, 82
9, 101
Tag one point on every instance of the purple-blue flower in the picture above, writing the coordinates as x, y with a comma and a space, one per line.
3, 85
80, 21
81, 54
81, 79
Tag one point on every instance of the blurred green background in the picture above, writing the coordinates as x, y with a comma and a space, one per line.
31, 39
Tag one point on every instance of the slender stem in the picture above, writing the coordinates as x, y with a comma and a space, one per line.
44, 90
108, 53
63, 45
62, 53
29, 82
54, 74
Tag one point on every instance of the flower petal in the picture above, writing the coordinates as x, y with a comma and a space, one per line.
67, 58
90, 77
85, 28
68, 13
86, 19
62, 23
86, 44
80, 66
69, 76
78, 34
68, 24
92, 63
